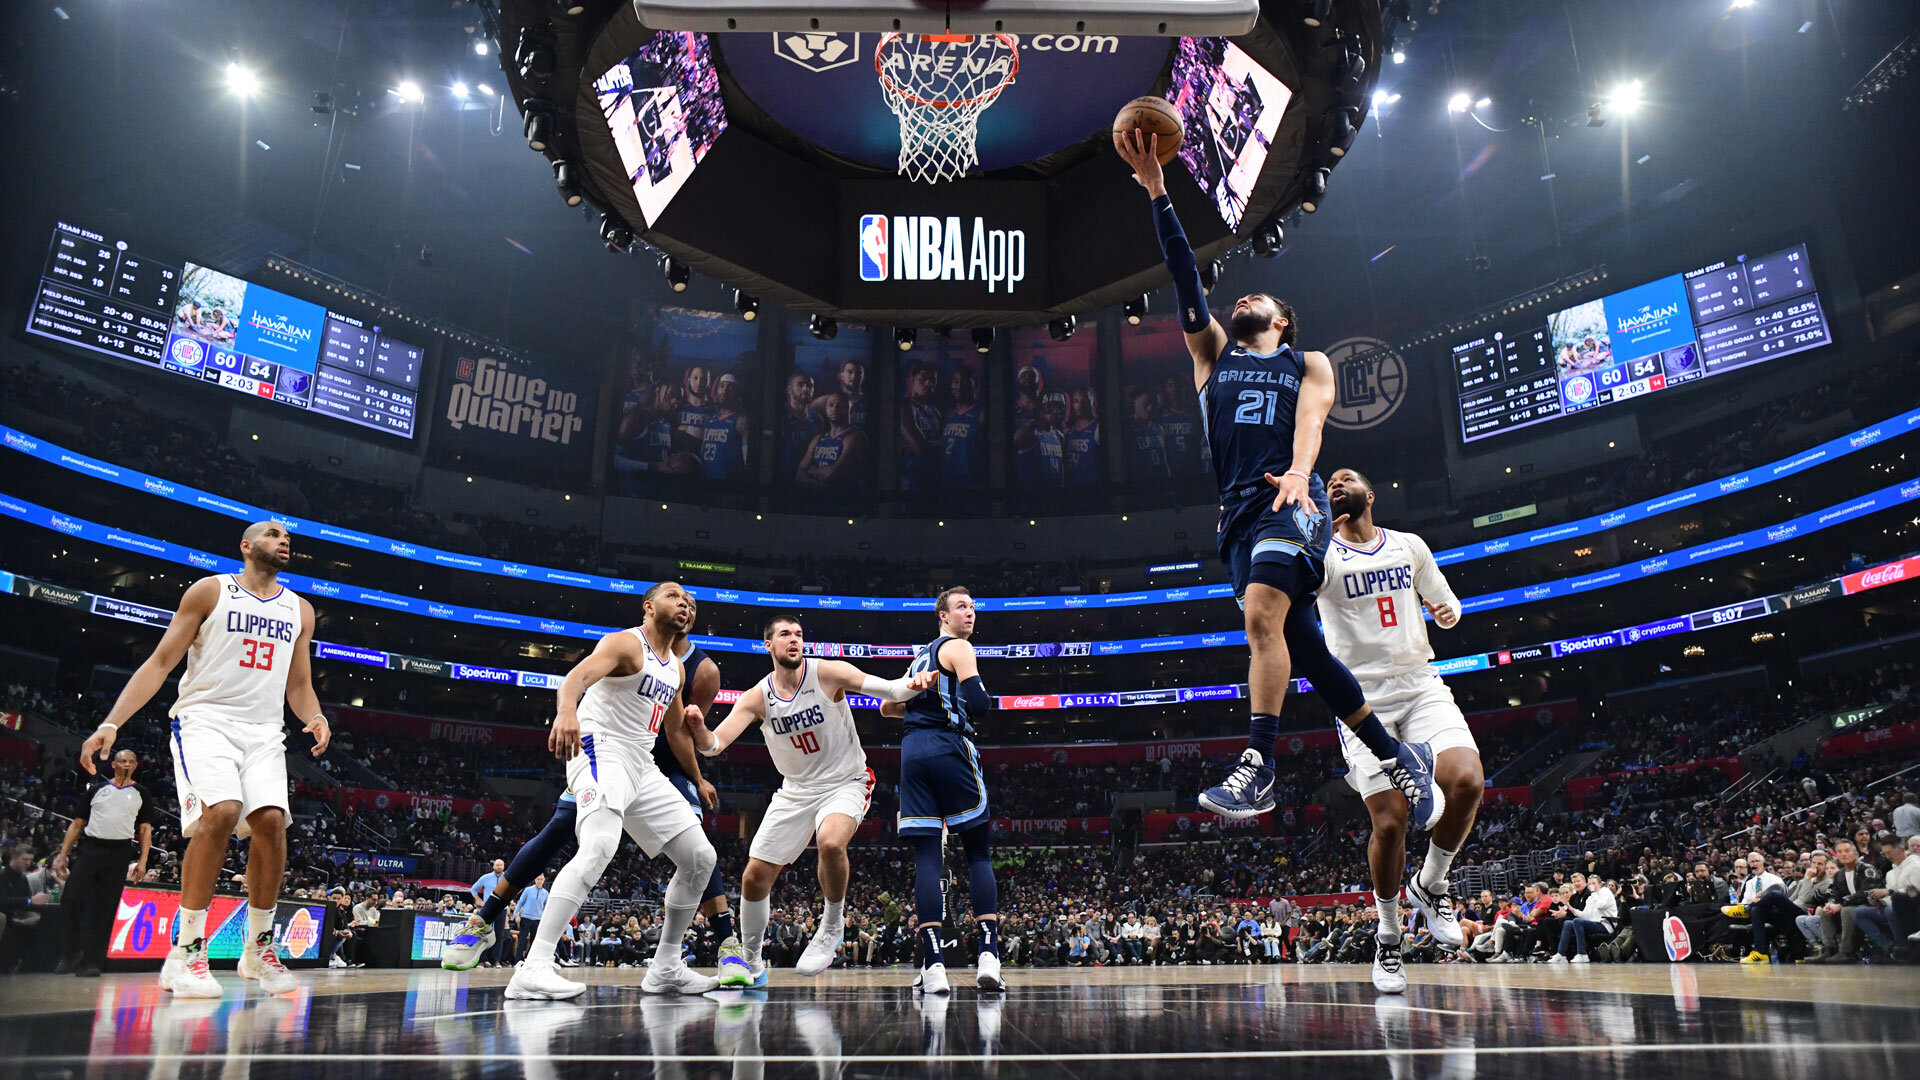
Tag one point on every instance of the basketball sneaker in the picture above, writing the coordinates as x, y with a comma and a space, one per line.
676, 979
821, 950
1438, 908
464, 950
932, 980
1412, 773
185, 972
1389, 977
1246, 792
1756, 957
989, 977
734, 969
262, 963
541, 981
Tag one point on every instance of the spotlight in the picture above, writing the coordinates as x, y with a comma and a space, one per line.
485, 89
1460, 102
1624, 98
409, 92
823, 327
1267, 240
566, 180
1062, 328
903, 336
1317, 12
1209, 276
534, 57
242, 80
1399, 56
747, 306
1136, 309
481, 48
571, 7
1349, 71
1340, 136
983, 339
677, 273
458, 90
1316, 191
615, 233
539, 124
1483, 103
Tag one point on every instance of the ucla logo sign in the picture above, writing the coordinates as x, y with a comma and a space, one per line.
1370, 383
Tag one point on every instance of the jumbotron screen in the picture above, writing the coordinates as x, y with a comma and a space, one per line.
1666, 333
1231, 108
105, 296
664, 108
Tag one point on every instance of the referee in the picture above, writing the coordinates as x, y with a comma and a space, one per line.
118, 812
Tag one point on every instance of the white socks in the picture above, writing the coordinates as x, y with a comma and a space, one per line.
192, 926
673, 936
836, 913
754, 915
259, 921
1389, 911
1433, 870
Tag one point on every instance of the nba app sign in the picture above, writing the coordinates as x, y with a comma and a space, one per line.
948, 249
1370, 383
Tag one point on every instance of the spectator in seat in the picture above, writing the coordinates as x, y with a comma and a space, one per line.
1592, 922
1764, 904
1809, 891
1852, 880
1906, 816
1877, 918
17, 903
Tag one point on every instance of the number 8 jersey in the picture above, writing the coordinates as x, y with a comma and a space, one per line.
1370, 605
237, 664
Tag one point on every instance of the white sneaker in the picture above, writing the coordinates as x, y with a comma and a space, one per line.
1556, 959
933, 980
337, 961
262, 963
1389, 977
989, 976
678, 979
1580, 959
463, 951
820, 951
1437, 906
542, 982
185, 973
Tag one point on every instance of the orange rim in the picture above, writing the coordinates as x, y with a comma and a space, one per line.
941, 103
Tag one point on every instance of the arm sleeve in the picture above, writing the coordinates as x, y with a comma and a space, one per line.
1428, 581
974, 696
1194, 315
894, 690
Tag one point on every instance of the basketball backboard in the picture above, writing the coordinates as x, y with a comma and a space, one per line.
1142, 18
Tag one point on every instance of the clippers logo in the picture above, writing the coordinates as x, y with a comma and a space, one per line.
1578, 390
1372, 382
873, 247
187, 352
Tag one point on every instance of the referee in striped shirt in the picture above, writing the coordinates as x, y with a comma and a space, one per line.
118, 815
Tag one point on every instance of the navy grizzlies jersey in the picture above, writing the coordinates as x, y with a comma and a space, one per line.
1248, 409
938, 708
663, 755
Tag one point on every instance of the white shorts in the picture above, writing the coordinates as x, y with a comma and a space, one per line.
1415, 707
793, 817
622, 778
217, 760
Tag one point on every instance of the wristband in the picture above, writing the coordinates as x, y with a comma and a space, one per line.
1298, 473
104, 724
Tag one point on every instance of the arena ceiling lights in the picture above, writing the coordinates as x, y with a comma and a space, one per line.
769, 192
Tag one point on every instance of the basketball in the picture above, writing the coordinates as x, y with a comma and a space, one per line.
1154, 116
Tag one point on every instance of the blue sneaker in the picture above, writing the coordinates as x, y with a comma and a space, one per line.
1246, 792
1412, 773
463, 951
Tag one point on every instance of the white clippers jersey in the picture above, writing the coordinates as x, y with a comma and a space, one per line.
811, 736
632, 707
237, 664
1370, 605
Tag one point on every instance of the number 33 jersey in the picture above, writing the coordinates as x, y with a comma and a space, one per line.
237, 664
1370, 604
811, 736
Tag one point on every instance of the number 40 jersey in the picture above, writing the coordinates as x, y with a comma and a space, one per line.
1370, 604
810, 736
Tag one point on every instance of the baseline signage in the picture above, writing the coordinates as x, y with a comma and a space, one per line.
143, 927
20, 441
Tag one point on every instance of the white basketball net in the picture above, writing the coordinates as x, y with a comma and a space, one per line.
938, 85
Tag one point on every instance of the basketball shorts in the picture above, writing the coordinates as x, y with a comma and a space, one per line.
1416, 707
940, 783
794, 816
1286, 548
217, 760
688, 790
622, 778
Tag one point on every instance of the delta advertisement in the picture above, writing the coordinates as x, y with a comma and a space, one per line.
143, 927
517, 418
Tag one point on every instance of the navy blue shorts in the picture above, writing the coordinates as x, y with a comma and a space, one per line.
684, 785
1295, 538
940, 783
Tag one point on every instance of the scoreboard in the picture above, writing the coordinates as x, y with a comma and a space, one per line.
1652, 337
103, 295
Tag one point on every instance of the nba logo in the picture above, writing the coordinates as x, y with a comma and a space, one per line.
873, 247
1679, 943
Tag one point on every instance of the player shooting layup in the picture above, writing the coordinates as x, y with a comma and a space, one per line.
826, 786
1376, 583
611, 708
248, 642
1264, 405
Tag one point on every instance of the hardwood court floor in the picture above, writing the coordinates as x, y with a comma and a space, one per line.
1458, 1022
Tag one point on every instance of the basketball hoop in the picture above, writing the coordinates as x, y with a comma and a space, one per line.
937, 86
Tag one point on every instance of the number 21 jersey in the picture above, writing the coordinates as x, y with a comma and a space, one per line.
237, 664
